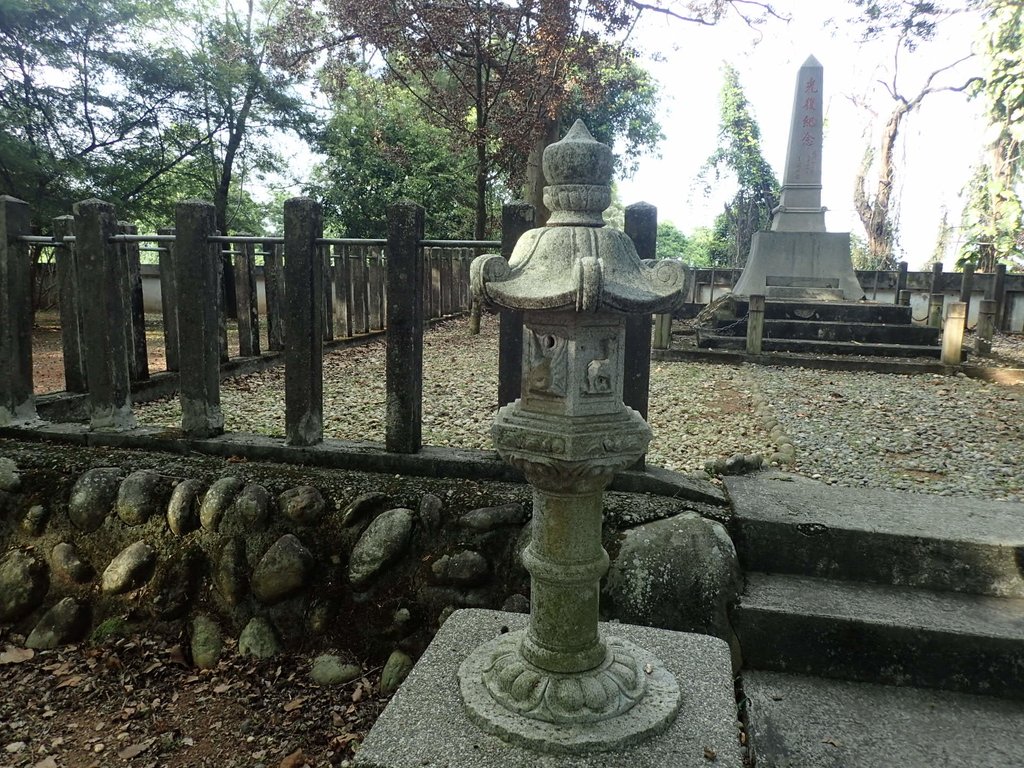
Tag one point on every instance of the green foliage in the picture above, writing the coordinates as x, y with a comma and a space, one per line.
380, 147
739, 157
618, 102
70, 77
134, 100
671, 241
993, 212
860, 253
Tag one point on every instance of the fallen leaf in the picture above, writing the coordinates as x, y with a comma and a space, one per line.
152, 667
710, 754
134, 750
225, 687
177, 656
70, 682
832, 742
294, 704
14, 655
357, 694
46, 762
296, 759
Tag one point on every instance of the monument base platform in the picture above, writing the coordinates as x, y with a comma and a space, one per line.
426, 725
813, 266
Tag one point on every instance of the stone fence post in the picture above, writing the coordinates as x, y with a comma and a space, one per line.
135, 329
999, 296
246, 307
17, 400
516, 219
105, 320
966, 287
935, 303
404, 357
936, 284
641, 226
304, 330
986, 325
953, 334
901, 280
169, 300
273, 280
70, 305
755, 325
196, 270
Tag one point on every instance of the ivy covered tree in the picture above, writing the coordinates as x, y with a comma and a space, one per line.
739, 158
992, 218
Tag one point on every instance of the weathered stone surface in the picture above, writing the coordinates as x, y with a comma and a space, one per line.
10, 480
331, 670
35, 520
383, 542
259, 639
68, 566
396, 669
304, 505
231, 573
516, 603
183, 508
489, 518
429, 513
66, 622
23, 584
463, 568
427, 723
217, 499
363, 506
680, 573
283, 570
140, 496
248, 512
93, 496
132, 568
177, 582
207, 642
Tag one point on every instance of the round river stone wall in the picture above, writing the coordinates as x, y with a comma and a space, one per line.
277, 556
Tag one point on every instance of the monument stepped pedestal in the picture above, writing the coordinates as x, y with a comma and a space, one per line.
824, 327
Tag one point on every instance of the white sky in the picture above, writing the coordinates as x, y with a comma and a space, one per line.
937, 148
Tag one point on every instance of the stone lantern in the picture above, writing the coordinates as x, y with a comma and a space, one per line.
560, 685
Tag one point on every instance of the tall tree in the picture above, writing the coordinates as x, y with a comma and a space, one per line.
379, 147
739, 157
875, 183
498, 74
87, 108
993, 214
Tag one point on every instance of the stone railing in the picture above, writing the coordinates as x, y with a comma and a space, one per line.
102, 302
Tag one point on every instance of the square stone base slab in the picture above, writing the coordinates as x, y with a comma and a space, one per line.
425, 726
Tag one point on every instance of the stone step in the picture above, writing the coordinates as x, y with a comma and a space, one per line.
797, 721
864, 333
803, 293
831, 311
712, 340
803, 527
882, 634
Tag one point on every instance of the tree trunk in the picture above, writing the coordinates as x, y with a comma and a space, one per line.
535, 181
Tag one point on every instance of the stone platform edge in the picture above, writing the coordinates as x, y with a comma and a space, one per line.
425, 726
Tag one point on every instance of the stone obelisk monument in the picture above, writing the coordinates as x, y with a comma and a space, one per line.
797, 258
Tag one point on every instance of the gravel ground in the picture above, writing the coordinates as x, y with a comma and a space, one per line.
932, 434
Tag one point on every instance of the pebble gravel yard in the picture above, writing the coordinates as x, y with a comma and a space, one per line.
934, 434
